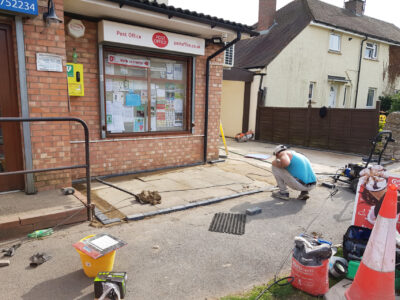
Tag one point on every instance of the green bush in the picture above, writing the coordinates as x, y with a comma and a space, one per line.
395, 103
386, 103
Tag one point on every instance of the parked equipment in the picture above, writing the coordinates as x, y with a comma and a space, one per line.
351, 172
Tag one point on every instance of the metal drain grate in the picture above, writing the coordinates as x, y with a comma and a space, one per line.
228, 223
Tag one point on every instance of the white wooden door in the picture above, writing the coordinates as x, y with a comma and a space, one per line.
332, 96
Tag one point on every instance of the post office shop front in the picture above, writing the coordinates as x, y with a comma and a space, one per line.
145, 77
152, 88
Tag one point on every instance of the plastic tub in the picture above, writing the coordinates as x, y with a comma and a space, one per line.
93, 266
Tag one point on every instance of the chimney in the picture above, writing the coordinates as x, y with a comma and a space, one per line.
355, 6
266, 14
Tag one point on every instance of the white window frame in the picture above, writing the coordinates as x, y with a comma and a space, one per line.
373, 97
345, 94
371, 50
333, 42
229, 56
311, 90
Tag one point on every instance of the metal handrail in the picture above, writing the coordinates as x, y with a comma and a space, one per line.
87, 154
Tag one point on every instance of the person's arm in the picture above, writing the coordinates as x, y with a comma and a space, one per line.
282, 160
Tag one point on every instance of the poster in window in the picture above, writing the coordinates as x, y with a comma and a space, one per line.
139, 125
178, 71
133, 99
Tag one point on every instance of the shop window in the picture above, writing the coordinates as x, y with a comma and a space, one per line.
370, 98
371, 50
334, 42
146, 93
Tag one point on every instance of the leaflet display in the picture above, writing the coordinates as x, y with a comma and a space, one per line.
144, 94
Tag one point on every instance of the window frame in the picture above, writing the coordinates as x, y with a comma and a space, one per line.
311, 87
339, 42
188, 99
374, 50
232, 55
373, 97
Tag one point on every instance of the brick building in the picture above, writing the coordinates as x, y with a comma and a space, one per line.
142, 91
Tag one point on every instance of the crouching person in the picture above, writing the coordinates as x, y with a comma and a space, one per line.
294, 170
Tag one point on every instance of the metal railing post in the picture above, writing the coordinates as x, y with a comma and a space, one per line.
87, 155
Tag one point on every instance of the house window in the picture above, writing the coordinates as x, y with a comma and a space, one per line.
311, 88
145, 92
229, 56
334, 42
345, 96
371, 51
371, 96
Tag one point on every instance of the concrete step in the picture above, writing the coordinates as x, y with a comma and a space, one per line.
21, 214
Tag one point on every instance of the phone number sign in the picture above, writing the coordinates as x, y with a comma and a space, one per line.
26, 7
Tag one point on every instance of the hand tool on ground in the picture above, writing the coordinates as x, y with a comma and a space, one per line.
38, 259
10, 251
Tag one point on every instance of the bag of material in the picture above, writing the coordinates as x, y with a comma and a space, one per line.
310, 266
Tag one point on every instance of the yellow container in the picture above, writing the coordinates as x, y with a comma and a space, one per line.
93, 266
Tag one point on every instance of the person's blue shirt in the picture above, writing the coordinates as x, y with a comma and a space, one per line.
300, 168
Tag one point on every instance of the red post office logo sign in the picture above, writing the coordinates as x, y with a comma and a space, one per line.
160, 40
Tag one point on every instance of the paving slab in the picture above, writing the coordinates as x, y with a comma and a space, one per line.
182, 187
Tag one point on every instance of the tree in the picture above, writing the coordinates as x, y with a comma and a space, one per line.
386, 102
395, 103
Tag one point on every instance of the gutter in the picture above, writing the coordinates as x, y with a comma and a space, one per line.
359, 70
354, 33
185, 14
239, 35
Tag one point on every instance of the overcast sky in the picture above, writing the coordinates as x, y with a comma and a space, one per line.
246, 11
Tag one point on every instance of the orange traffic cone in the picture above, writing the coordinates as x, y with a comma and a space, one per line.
375, 275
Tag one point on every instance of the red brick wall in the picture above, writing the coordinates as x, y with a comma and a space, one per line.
110, 156
47, 94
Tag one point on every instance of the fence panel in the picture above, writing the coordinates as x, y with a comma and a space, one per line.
347, 130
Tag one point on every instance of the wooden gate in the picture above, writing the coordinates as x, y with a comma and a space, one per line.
347, 130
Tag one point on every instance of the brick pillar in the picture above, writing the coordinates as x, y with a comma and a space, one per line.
266, 14
48, 97
214, 105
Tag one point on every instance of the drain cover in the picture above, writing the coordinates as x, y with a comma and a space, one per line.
228, 223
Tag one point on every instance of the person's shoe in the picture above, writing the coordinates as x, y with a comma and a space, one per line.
303, 196
280, 195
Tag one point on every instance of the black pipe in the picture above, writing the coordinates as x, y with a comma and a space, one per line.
184, 14
208, 87
120, 189
87, 154
359, 70
260, 90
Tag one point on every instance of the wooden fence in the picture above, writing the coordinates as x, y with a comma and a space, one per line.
347, 130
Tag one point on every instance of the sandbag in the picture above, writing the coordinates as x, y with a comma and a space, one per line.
310, 266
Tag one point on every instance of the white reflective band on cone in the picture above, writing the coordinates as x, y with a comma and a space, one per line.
376, 257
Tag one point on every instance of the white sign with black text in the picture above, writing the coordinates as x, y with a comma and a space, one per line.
49, 62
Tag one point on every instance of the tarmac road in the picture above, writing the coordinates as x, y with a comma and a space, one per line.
175, 256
